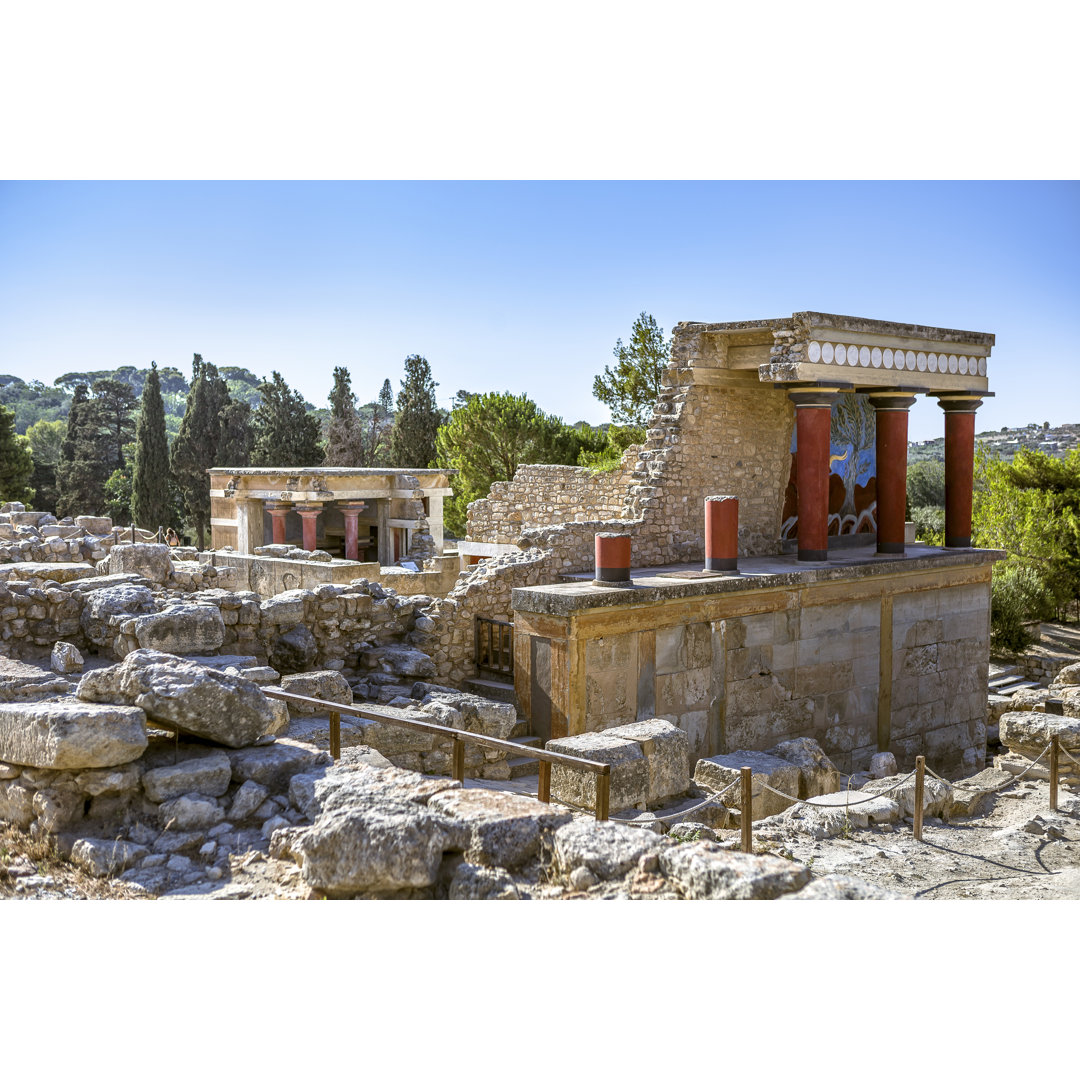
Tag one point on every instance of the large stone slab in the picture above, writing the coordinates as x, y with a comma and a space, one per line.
667, 756
1029, 732
702, 870
184, 696
629, 771
105, 608
328, 686
182, 629
275, 765
105, 858
817, 774
607, 850
50, 571
207, 775
26, 682
716, 773
150, 561
71, 734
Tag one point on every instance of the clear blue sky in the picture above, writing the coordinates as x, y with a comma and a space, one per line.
525, 286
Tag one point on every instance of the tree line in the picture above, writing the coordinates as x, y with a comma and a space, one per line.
135, 444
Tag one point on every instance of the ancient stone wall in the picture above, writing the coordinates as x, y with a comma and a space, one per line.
542, 495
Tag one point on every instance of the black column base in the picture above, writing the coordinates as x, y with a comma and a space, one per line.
890, 547
813, 555
958, 541
612, 574
721, 564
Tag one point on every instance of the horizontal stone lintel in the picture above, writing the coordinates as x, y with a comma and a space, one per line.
918, 382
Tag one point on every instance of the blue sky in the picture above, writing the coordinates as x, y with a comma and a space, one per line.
525, 286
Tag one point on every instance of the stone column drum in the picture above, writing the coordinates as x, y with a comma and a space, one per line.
722, 532
813, 419
891, 419
612, 558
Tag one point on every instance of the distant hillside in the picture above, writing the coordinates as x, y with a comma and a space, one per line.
34, 400
1055, 441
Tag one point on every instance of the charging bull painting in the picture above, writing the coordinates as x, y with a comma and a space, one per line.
852, 472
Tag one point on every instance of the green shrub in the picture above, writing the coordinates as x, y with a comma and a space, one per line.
1018, 595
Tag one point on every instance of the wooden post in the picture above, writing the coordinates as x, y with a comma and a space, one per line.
603, 795
459, 760
747, 810
1053, 771
335, 735
543, 790
920, 773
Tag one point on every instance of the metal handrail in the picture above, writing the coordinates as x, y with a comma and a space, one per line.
389, 714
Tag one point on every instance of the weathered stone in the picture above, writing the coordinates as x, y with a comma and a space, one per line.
206, 775
294, 651
124, 780
705, 871
115, 602
150, 561
104, 858
717, 773
937, 796
58, 808
836, 813
606, 849
1029, 732
25, 682
59, 572
398, 660
882, 765
504, 829
667, 756
66, 659
284, 609
629, 779
190, 812
974, 796
1068, 676
274, 766
482, 883
248, 798
686, 831
181, 629
71, 734
328, 686
184, 696
841, 887
16, 803
96, 526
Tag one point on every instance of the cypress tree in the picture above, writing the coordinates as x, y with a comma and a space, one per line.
82, 470
150, 502
344, 438
16, 461
418, 418
286, 434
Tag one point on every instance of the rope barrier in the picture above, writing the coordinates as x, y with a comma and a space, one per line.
681, 813
1062, 750
1000, 787
806, 802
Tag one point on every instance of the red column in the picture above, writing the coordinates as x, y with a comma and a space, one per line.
277, 522
722, 532
311, 517
612, 557
813, 414
351, 511
959, 467
891, 416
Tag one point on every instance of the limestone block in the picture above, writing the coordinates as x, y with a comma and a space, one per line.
150, 561
96, 526
181, 629
329, 686
482, 883
184, 696
247, 800
104, 858
71, 734
66, 659
26, 682
369, 776
275, 765
504, 829
667, 756
843, 887
629, 771
294, 651
1068, 676
937, 797
716, 773
1029, 732
817, 774
705, 871
398, 660
190, 812
16, 803
206, 775
114, 602
883, 764
60, 572
606, 849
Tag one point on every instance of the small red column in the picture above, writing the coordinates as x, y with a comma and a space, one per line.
310, 516
612, 558
277, 522
351, 511
891, 418
722, 532
959, 467
813, 420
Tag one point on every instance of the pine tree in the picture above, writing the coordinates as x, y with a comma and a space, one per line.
237, 436
82, 470
16, 460
114, 410
344, 437
418, 418
151, 505
46, 437
286, 434
631, 390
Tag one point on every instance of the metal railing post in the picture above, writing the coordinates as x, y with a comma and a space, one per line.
458, 768
543, 789
603, 793
1053, 772
335, 735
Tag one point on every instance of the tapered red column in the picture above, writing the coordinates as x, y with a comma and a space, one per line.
722, 532
278, 514
310, 516
813, 415
959, 467
351, 511
891, 417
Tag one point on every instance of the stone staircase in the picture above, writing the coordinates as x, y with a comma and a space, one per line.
1006, 680
497, 690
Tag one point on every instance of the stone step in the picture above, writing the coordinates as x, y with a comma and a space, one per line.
1004, 680
521, 729
524, 738
1008, 691
520, 766
999, 671
493, 689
